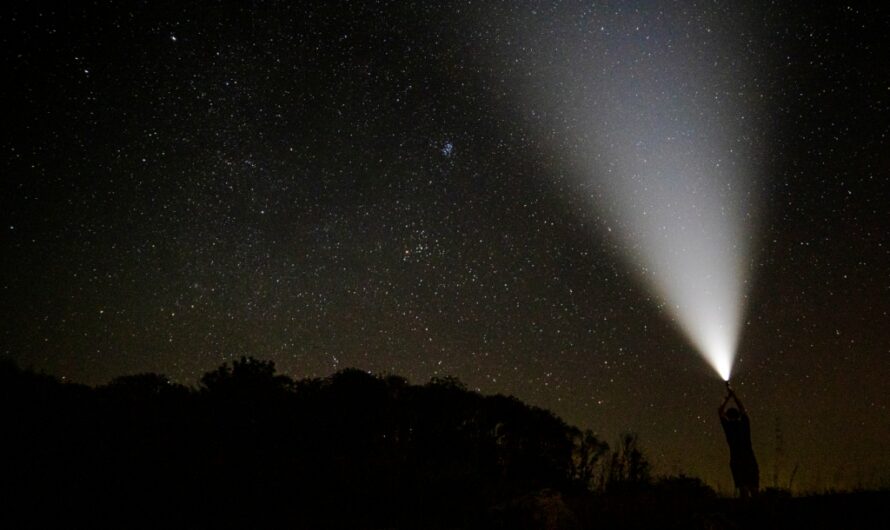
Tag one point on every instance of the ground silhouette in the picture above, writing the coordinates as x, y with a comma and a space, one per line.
250, 448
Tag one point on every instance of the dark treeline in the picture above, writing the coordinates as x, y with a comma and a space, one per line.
249, 445
251, 448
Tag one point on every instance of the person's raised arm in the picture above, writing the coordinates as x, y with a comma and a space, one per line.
722, 410
739, 403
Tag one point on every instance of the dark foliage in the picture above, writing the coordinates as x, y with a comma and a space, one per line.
252, 448
628, 468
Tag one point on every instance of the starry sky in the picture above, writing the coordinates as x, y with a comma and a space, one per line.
369, 184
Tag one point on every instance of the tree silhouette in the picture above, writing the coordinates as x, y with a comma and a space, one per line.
249, 447
628, 467
246, 376
586, 458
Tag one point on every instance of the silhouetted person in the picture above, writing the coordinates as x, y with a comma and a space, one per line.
737, 428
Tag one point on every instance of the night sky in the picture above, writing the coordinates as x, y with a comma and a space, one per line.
366, 185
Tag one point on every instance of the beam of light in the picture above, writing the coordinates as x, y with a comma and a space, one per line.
658, 110
676, 210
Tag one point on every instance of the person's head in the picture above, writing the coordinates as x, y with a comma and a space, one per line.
733, 413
